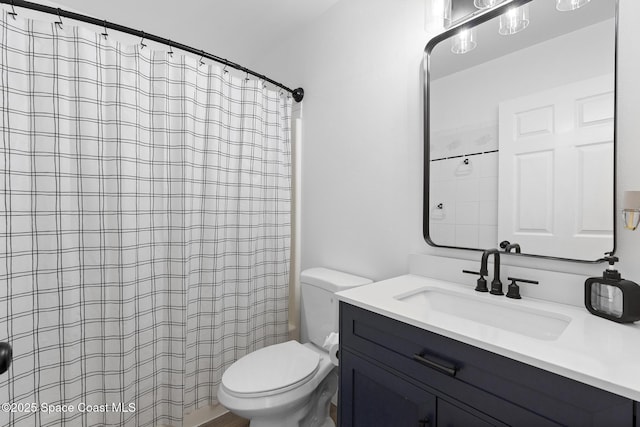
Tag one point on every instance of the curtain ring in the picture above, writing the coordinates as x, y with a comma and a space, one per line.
13, 11
59, 21
105, 34
142, 45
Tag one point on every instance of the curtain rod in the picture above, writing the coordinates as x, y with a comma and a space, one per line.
298, 94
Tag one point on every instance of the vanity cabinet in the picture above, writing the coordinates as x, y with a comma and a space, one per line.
395, 374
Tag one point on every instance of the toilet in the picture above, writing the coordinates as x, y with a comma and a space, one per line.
290, 384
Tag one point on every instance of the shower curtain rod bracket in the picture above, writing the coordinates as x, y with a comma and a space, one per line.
297, 94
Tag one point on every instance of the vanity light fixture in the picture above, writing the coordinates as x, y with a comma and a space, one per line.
464, 41
486, 4
514, 20
631, 209
567, 5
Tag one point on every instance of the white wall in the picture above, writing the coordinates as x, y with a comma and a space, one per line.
360, 65
628, 130
362, 157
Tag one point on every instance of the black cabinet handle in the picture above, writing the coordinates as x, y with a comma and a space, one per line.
6, 354
449, 370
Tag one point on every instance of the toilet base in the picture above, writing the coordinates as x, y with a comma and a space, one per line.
314, 412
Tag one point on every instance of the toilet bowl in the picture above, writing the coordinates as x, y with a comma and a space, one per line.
301, 391
291, 384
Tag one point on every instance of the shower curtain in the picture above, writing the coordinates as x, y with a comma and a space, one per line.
144, 227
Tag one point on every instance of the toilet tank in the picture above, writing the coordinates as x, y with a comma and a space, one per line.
318, 305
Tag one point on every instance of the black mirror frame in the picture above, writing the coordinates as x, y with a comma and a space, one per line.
474, 21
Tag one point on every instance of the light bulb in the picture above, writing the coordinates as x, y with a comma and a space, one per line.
514, 20
464, 41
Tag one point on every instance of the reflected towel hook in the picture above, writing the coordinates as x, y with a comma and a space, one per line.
59, 21
170, 53
201, 62
105, 34
13, 11
142, 45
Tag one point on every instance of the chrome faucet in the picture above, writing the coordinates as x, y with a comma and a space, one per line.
496, 284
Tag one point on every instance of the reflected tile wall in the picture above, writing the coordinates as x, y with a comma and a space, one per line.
468, 194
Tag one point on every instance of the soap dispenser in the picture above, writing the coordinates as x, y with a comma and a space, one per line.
611, 296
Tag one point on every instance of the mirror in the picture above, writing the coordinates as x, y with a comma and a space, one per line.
520, 131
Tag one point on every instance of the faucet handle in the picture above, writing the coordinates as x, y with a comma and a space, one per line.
482, 282
514, 289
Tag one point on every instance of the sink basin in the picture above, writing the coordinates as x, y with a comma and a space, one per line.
523, 320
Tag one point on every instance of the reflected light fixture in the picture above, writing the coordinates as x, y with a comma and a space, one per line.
567, 5
514, 20
631, 209
486, 4
464, 41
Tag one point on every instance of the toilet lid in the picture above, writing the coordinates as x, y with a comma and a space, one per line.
271, 369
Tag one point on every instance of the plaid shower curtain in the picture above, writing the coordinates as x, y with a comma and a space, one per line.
144, 227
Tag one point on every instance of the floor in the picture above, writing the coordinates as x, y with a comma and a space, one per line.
227, 420
231, 420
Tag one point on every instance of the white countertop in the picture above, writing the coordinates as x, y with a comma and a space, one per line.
591, 350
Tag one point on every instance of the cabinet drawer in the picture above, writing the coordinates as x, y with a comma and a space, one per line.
480, 376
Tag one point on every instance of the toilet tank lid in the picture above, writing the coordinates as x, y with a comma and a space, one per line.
332, 280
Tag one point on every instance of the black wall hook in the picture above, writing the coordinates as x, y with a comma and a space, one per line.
170, 53
201, 62
142, 45
6, 355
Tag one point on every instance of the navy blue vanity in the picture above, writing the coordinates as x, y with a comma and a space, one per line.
396, 374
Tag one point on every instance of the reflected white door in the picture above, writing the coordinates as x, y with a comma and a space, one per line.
555, 194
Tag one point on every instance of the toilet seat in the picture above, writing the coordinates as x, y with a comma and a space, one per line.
271, 370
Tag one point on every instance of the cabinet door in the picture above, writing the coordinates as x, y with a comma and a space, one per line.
373, 396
